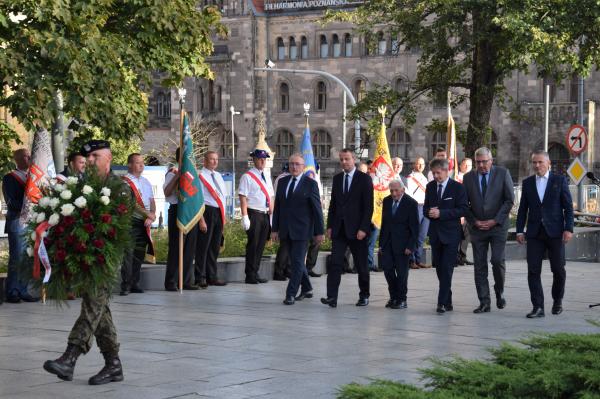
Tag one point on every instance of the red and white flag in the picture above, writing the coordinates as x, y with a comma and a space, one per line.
451, 142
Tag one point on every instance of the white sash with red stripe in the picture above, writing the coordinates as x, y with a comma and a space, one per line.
138, 198
262, 187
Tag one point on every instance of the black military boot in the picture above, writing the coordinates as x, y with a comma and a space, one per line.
63, 366
111, 372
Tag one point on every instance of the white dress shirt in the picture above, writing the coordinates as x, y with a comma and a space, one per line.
219, 189
171, 199
251, 190
144, 188
413, 189
541, 182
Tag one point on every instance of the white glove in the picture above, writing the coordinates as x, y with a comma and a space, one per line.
246, 222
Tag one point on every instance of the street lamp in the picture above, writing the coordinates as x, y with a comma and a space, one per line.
233, 112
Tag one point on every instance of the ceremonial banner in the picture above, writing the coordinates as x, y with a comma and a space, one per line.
191, 202
310, 164
451, 142
41, 170
381, 171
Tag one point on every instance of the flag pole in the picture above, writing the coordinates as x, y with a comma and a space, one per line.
181, 93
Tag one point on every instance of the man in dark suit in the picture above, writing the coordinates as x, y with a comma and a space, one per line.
297, 217
445, 204
348, 225
491, 197
547, 206
397, 241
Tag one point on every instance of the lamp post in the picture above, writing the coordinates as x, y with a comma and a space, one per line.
233, 113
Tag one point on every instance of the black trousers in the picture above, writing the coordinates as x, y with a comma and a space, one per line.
313, 254
282, 260
189, 247
536, 248
258, 233
134, 257
360, 251
208, 245
299, 276
481, 240
395, 269
444, 260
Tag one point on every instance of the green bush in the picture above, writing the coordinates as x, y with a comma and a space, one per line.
3, 260
560, 365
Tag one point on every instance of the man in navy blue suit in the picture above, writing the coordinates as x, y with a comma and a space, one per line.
547, 206
297, 218
397, 241
445, 204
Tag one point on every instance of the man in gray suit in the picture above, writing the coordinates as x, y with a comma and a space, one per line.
491, 197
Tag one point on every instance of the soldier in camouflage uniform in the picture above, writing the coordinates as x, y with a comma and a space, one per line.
95, 318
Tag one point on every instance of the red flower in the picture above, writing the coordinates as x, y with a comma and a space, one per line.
98, 243
122, 209
106, 218
85, 267
59, 229
66, 273
100, 258
86, 214
71, 239
60, 244
68, 221
112, 233
80, 247
60, 255
89, 228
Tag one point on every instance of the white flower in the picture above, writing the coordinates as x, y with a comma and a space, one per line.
87, 190
66, 195
40, 217
67, 209
59, 187
53, 182
72, 180
80, 202
104, 199
29, 251
54, 203
33, 236
33, 215
44, 202
105, 191
53, 219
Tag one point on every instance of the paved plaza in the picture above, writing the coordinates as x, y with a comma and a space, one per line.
239, 341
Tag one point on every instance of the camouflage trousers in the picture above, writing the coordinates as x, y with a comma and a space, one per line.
95, 320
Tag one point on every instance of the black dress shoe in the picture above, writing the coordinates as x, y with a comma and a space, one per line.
137, 290
500, 302
440, 309
390, 303
217, 283
394, 304
313, 274
362, 302
171, 288
303, 295
449, 308
536, 312
261, 280
402, 305
279, 277
482, 309
202, 283
557, 308
251, 281
191, 287
289, 300
329, 301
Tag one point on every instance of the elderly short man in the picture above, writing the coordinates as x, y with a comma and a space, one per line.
491, 197
397, 241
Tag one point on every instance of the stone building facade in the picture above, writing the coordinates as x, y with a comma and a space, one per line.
290, 33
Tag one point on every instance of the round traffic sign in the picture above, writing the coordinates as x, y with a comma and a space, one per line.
577, 139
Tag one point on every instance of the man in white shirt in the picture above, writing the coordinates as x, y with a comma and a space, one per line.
415, 187
256, 202
440, 153
465, 166
211, 224
143, 217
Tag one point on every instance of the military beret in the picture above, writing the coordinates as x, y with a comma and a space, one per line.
94, 145
257, 153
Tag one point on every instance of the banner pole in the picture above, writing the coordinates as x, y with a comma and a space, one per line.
181, 93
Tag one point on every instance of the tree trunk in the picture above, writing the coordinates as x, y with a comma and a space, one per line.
484, 83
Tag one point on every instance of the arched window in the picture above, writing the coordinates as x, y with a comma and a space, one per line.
560, 158
217, 100
401, 85
381, 44
360, 89
284, 97
280, 49
438, 140
163, 105
324, 46
400, 143
284, 145
224, 145
293, 49
211, 96
395, 50
303, 48
321, 142
347, 45
337, 48
321, 96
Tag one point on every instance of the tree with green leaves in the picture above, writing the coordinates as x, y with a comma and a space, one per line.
94, 57
471, 47
8, 136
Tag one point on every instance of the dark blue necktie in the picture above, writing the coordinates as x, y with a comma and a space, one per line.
346, 183
440, 187
394, 208
483, 184
291, 188
262, 175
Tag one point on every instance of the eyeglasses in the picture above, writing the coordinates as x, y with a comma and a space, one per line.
295, 164
482, 161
